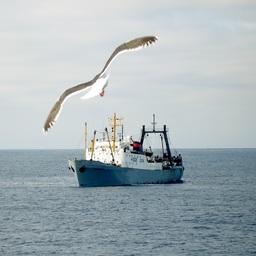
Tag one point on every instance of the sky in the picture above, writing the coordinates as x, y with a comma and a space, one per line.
199, 78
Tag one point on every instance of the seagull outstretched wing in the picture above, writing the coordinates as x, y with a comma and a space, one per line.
133, 45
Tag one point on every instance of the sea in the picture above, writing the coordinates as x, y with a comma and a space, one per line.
43, 211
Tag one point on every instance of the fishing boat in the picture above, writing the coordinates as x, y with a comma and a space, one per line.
119, 161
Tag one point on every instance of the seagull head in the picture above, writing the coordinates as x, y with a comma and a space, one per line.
105, 80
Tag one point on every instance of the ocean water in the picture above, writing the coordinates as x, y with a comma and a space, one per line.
44, 212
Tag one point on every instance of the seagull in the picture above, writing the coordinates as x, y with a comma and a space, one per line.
97, 85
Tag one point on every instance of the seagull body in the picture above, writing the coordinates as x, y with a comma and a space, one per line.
97, 88
97, 85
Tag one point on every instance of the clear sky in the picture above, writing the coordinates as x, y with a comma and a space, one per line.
199, 79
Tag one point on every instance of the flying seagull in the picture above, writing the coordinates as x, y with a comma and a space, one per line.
97, 85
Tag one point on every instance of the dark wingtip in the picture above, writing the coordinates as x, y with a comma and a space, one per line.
46, 129
151, 39
47, 126
155, 38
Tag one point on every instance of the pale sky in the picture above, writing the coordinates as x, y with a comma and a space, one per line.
199, 79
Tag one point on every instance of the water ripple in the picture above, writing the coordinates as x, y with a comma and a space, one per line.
43, 212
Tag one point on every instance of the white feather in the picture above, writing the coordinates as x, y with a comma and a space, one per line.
97, 87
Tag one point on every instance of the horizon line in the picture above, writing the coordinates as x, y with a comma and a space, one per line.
195, 148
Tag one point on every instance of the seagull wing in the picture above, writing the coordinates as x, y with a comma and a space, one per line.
57, 107
133, 45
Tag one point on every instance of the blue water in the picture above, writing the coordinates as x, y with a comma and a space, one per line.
44, 212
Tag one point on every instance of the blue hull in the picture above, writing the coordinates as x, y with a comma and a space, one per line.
96, 174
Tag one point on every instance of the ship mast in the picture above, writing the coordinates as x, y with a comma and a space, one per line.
93, 143
85, 139
114, 122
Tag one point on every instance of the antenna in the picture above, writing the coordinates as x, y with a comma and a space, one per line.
154, 122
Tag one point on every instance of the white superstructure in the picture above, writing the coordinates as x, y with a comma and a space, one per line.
124, 155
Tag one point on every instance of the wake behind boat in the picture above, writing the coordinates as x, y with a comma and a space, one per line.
124, 161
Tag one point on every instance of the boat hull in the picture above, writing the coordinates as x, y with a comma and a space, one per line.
97, 174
